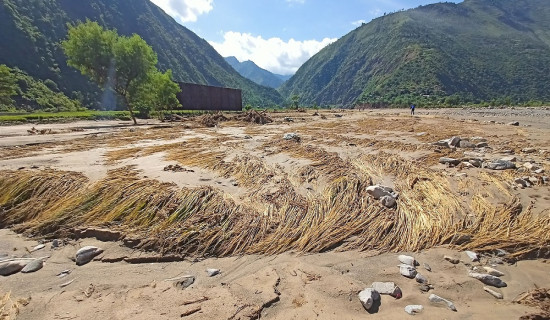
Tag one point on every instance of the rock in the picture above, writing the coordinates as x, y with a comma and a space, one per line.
436, 299
86, 254
33, 266
500, 165
522, 182
494, 261
407, 271
420, 278
368, 297
510, 158
514, 123
427, 267
502, 253
292, 136
378, 191
212, 272
482, 145
38, 247
388, 201
476, 162
492, 292
184, 282
475, 155
451, 259
472, 255
13, 266
55, 243
389, 288
454, 142
466, 144
488, 279
288, 119
425, 287
530, 166
441, 143
413, 309
408, 260
528, 150
247, 137
493, 272
539, 171
449, 161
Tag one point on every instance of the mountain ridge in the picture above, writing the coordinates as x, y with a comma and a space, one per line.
250, 70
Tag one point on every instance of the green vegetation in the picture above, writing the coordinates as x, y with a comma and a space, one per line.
64, 116
476, 51
36, 27
157, 94
8, 87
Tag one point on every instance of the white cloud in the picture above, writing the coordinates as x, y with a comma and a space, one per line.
272, 54
185, 10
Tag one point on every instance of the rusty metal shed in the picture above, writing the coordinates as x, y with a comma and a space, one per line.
200, 97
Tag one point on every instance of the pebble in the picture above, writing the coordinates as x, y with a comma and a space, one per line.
55, 243
436, 298
449, 161
86, 254
413, 309
420, 278
493, 272
425, 287
389, 288
38, 247
33, 266
212, 272
492, 292
514, 123
451, 259
408, 260
368, 297
472, 255
184, 282
488, 279
407, 271
427, 267
292, 136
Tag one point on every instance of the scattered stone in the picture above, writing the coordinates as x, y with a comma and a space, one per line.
472, 255
514, 123
500, 165
33, 266
530, 166
247, 137
425, 287
492, 292
288, 119
494, 261
436, 298
493, 272
510, 158
63, 273
55, 243
539, 171
86, 254
368, 297
408, 260
528, 150
466, 144
451, 259
449, 161
388, 201
389, 288
38, 247
184, 282
212, 272
420, 278
413, 309
378, 191
482, 145
13, 266
475, 155
476, 162
427, 267
488, 279
454, 142
292, 136
502, 253
407, 271
522, 183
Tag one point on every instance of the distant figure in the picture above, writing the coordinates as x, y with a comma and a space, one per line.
412, 109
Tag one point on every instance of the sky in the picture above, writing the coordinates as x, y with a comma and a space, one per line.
278, 35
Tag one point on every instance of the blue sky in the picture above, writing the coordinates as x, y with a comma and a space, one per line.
278, 35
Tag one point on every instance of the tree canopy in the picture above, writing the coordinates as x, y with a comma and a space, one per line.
8, 87
126, 65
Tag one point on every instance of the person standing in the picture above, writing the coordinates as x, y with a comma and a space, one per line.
412, 109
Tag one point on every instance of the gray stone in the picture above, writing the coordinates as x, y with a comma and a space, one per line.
492, 292
378, 191
528, 150
500, 165
413, 309
427, 267
454, 142
55, 243
38, 247
389, 288
437, 299
86, 254
482, 145
388, 201
212, 272
407, 271
292, 136
466, 144
493, 272
420, 278
449, 161
539, 171
530, 166
488, 279
510, 158
368, 297
33, 266
184, 282
13, 266
522, 182
514, 123
451, 259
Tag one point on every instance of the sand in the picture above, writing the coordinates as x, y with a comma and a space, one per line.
290, 285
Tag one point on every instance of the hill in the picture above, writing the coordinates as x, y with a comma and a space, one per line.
32, 30
252, 71
477, 50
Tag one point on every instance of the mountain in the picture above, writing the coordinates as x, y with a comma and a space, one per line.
33, 29
250, 70
477, 50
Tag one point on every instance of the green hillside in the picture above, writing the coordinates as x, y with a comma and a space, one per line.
477, 50
32, 30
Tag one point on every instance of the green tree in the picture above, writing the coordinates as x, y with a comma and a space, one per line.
295, 101
110, 60
158, 93
8, 86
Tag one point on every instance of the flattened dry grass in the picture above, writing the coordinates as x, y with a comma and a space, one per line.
9, 309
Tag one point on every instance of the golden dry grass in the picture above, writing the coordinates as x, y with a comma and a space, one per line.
9, 309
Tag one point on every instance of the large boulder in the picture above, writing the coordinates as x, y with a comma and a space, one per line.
13, 266
500, 165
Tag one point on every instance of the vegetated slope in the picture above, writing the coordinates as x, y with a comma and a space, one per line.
477, 50
252, 71
32, 30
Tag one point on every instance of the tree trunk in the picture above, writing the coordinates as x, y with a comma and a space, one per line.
130, 109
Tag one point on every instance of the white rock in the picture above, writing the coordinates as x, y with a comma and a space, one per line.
436, 298
292, 136
368, 297
404, 259
378, 191
388, 201
488, 279
212, 272
38, 247
389, 288
493, 272
413, 309
472, 255
86, 254
492, 292
407, 271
